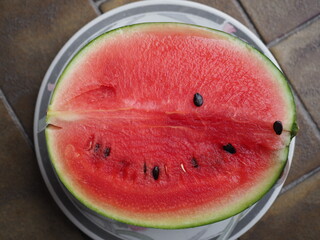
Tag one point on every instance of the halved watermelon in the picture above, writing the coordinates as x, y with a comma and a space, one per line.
169, 125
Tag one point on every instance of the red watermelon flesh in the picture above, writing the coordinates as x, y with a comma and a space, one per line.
128, 141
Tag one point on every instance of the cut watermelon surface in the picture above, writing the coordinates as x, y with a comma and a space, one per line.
169, 125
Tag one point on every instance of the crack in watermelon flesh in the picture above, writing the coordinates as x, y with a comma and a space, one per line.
124, 105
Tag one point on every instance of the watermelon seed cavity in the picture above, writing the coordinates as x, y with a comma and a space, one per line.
107, 151
96, 147
194, 163
155, 172
229, 148
145, 167
198, 100
277, 127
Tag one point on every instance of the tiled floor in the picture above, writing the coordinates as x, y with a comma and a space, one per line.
32, 32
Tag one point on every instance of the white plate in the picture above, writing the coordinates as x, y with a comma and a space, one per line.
94, 225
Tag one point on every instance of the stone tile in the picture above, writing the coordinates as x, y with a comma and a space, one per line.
31, 34
27, 210
227, 6
294, 215
299, 57
307, 151
274, 18
111, 4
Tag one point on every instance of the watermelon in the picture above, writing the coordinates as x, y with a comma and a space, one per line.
169, 125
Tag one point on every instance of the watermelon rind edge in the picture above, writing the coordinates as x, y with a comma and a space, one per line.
293, 132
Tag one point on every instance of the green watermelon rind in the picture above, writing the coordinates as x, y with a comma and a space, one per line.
241, 207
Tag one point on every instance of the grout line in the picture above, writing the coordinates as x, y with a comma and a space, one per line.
298, 100
245, 14
272, 43
95, 5
15, 119
305, 112
314, 127
293, 31
300, 180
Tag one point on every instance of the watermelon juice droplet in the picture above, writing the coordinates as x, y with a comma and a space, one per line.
107, 152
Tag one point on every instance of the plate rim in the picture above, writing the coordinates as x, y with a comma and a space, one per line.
91, 24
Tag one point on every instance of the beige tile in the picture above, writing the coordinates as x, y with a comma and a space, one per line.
227, 6
32, 33
273, 18
307, 151
111, 4
294, 215
27, 210
299, 57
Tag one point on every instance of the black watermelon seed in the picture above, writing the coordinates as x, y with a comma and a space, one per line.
155, 172
198, 100
277, 127
107, 151
96, 147
194, 163
145, 168
229, 148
